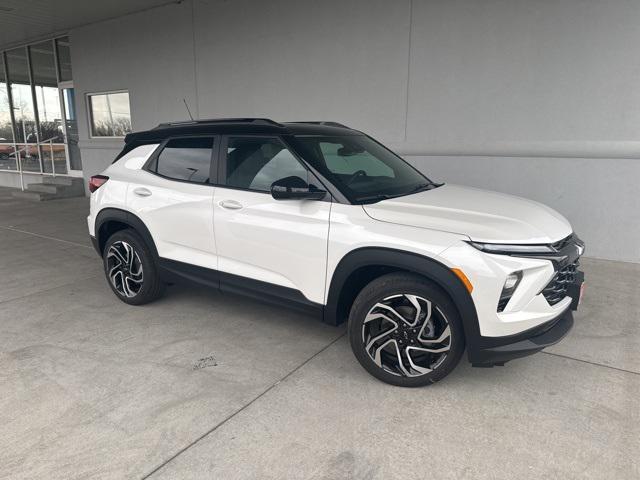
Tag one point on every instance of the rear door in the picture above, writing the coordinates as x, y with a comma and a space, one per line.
280, 244
174, 198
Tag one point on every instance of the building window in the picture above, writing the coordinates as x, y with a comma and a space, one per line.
26, 133
7, 147
38, 133
64, 59
109, 114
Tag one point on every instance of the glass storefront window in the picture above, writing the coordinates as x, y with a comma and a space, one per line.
43, 67
64, 58
38, 124
7, 150
109, 114
75, 162
23, 111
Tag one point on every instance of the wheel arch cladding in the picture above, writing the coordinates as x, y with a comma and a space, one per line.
359, 267
112, 220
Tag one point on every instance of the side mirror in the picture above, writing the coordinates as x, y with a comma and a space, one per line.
295, 188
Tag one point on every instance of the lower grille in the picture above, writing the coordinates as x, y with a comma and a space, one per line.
556, 290
502, 304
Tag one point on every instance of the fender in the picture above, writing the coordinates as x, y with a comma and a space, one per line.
128, 218
435, 271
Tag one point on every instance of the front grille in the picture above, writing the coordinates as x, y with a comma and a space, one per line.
556, 290
560, 244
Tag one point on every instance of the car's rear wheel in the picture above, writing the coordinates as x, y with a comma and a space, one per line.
130, 268
405, 331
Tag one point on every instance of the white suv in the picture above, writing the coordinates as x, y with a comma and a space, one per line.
323, 218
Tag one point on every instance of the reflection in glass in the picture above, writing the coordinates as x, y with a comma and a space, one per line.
110, 115
58, 153
7, 151
43, 67
64, 58
23, 111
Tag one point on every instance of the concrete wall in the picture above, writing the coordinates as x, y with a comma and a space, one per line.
151, 55
531, 98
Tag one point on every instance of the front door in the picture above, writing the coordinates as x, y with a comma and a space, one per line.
280, 245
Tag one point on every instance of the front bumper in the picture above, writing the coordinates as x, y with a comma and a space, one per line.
531, 305
490, 351
498, 350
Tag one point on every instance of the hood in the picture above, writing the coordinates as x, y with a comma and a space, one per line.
481, 215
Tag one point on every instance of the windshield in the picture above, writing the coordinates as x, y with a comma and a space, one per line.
363, 170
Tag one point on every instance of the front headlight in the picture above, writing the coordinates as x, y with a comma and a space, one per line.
512, 249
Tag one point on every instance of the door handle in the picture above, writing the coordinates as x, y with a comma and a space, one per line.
142, 192
230, 204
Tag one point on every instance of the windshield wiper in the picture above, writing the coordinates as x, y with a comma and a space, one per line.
420, 188
374, 198
423, 187
384, 196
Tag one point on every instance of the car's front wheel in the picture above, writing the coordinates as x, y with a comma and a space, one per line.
405, 331
130, 268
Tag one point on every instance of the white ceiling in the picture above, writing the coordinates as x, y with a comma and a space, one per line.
24, 20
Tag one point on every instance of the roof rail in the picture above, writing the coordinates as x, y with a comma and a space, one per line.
257, 121
328, 124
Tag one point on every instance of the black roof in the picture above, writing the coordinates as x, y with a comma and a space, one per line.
239, 126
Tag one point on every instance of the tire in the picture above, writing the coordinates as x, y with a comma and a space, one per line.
127, 256
394, 299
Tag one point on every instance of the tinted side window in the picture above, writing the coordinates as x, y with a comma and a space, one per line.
185, 159
255, 163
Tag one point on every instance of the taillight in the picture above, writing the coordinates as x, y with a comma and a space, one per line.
96, 182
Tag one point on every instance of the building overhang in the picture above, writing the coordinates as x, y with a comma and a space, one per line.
25, 21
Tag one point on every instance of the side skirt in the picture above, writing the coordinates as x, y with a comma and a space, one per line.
173, 271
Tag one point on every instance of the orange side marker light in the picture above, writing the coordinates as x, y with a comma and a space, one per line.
460, 274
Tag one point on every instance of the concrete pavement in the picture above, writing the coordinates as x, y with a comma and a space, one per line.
206, 385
